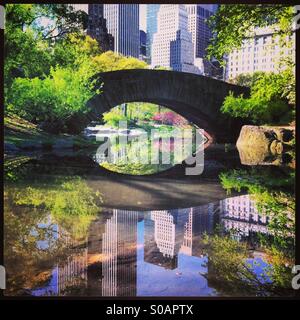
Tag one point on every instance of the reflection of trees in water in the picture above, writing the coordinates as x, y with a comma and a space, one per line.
150, 153
229, 271
274, 196
26, 264
33, 241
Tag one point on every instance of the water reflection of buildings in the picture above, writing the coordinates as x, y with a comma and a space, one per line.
119, 247
168, 233
240, 214
107, 263
72, 273
201, 220
161, 233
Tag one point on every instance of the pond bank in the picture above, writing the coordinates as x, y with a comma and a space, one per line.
22, 135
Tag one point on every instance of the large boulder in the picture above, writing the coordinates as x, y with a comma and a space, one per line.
263, 144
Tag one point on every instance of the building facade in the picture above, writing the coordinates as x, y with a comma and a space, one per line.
240, 214
82, 7
143, 45
261, 52
152, 10
97, 28
201, 35
119, 248
172, 45
123, 23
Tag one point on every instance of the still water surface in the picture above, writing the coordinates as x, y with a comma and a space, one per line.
73, 228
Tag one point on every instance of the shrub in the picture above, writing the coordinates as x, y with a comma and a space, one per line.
170, 118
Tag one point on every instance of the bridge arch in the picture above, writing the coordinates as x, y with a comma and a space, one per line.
197, 98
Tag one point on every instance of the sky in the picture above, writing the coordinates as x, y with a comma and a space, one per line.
143, 19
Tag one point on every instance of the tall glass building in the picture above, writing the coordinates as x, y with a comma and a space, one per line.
152, 10
172, 45
123, 23
97, 28
201, 35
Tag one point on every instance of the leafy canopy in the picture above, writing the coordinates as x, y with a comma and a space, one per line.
233, 23
271, 100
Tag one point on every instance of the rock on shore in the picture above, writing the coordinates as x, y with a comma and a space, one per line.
264, 144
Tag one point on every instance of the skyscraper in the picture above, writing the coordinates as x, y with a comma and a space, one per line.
97, 27
164, 235
152, 10
123, 24
143, 37
119, 247
201, 35
172, 44
261, 52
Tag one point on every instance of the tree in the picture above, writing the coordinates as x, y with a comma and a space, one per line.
110, 61
27, 48
46, 81
75, 49
232, 273
234, 23
54, 99
274, 196
270, 102
247, 79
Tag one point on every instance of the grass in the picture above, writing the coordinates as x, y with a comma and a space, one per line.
21, 133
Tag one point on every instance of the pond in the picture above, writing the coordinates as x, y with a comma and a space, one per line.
142, 139
73, 228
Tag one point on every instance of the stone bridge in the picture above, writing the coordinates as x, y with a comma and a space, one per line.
197, 98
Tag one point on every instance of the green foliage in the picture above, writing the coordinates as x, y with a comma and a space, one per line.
25, 55
274, 196
70, 201
27, 52
70, 197
255, 180
142, 111
57, 97
58, 19
110, 61
236, 22
248, 79
268, 102
231, 272
75, 49
47, 81
113, 118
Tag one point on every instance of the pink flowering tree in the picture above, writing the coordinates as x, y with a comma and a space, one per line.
170, 118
